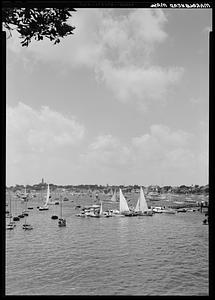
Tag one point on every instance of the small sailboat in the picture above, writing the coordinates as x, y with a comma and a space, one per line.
24, 196
141, 208
123, 205
26, 226
54, 216
61, 221
16, 218
45, 206
113, 198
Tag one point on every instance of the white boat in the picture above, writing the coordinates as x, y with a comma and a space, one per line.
162, 210
123, 205
45, 206
11, 225
92, 211
61, 220
157, 209
142, 208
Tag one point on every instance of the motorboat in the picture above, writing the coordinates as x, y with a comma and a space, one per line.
45, 207
11, 226
184, 210
157, 209
27, 226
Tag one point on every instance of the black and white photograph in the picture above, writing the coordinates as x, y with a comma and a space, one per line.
107, 149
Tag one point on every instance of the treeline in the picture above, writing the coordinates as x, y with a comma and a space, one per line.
182, 189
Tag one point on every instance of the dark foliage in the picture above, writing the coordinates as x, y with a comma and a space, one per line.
38, 23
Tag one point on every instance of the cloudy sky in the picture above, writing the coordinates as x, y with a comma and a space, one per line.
122, 101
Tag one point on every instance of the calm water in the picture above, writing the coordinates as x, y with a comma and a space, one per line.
159, 255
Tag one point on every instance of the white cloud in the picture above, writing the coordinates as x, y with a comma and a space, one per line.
31, 132
118, 49
160, 151
139, 84
106, 151
162, 147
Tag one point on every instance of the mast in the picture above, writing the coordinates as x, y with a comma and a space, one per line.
10, 207
61, 206
47, 195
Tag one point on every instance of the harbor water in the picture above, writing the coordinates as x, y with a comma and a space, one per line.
159, 255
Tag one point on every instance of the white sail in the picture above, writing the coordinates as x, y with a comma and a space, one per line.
123, 205
47, 196
141, 203
101, 210
113, 198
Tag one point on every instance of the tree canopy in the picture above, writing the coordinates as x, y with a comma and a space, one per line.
38, 23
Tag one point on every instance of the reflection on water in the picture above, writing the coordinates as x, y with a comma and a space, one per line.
159, 255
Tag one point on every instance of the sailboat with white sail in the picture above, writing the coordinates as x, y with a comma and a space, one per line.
101, 210
141, 208
45, 206
123, 205
113, 198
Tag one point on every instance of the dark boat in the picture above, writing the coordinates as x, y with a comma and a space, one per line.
16, 219
54, 217
21, 216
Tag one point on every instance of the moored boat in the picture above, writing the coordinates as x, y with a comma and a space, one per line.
183, 210
26, 226
123, 205
11, 225
141, 208
155, 196
45, 206
61, 221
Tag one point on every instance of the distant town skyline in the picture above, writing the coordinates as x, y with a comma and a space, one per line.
123, 101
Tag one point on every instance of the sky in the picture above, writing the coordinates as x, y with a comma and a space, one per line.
124, 100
